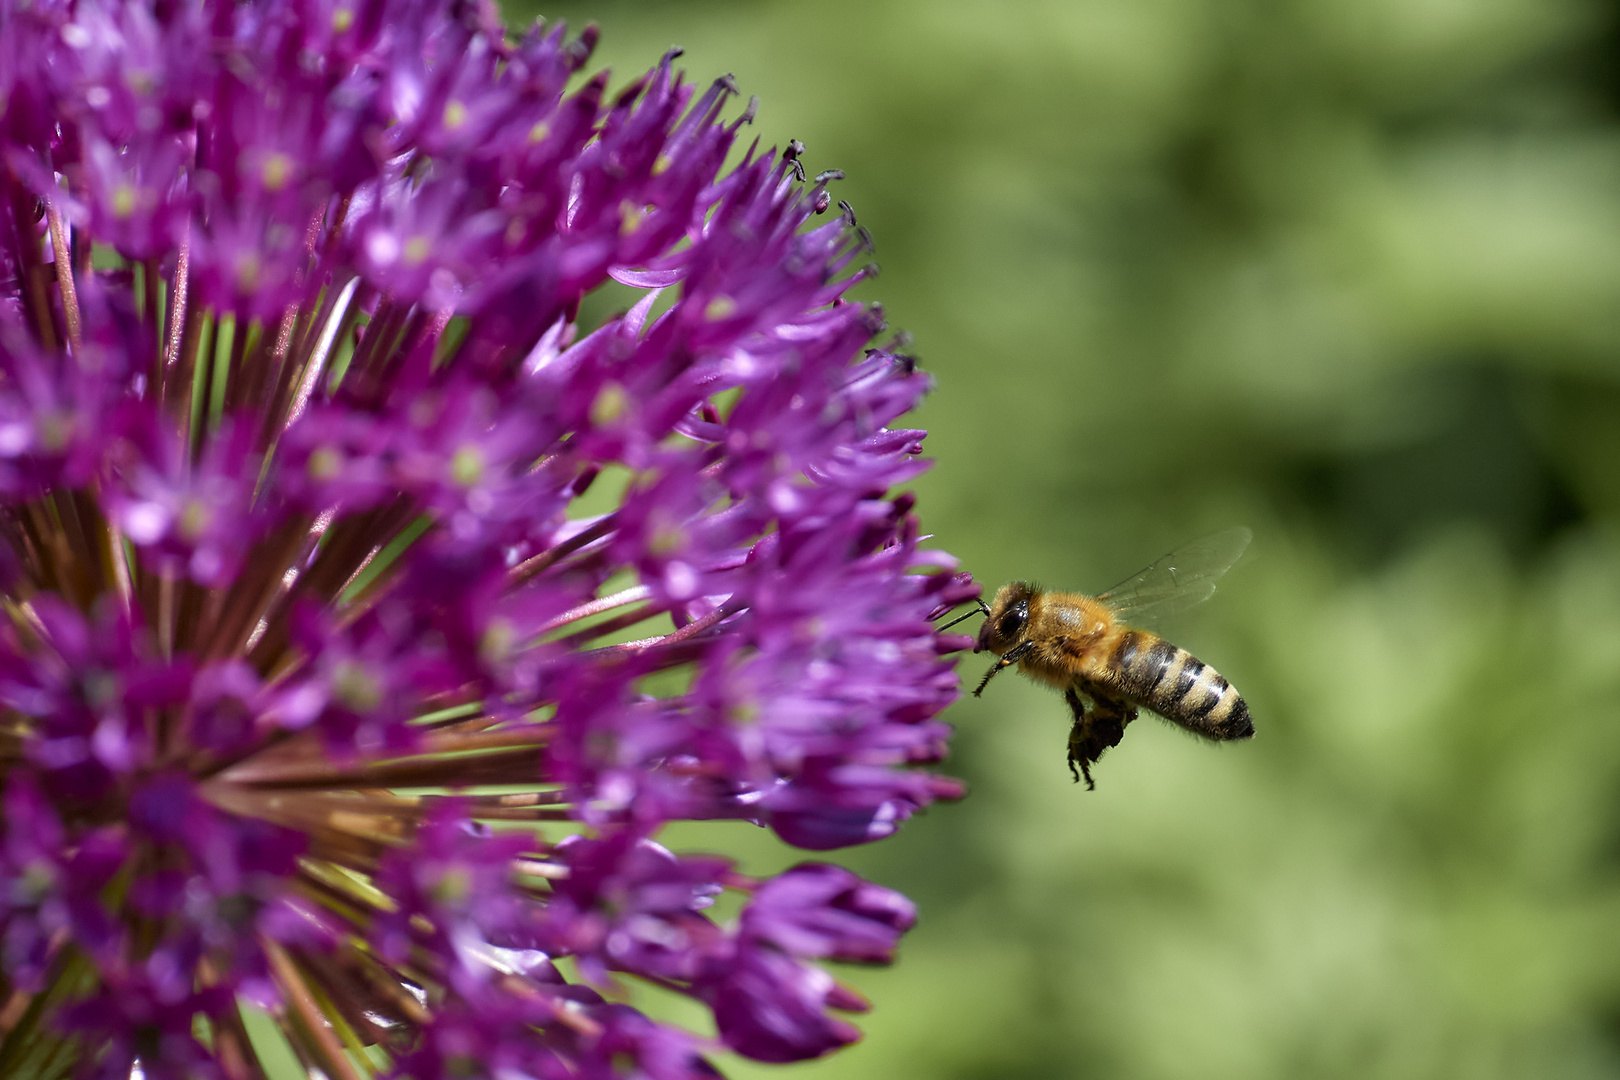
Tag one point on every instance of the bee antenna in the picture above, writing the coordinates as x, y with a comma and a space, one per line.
984, 609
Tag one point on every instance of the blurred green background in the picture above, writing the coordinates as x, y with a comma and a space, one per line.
1345, 271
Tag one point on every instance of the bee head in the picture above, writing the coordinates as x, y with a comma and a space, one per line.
1007, 619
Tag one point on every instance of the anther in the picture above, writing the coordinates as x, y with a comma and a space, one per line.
829, 174
579, 50
630, 93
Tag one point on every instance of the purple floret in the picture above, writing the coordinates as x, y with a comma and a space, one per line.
367, 616
824, 911
771, 1007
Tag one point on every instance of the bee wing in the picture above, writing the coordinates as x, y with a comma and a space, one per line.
1185, 577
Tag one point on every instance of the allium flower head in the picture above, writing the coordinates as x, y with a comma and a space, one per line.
366, 617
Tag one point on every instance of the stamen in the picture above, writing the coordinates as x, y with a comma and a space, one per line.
64, 275
314, 1028
596, 607
323, 348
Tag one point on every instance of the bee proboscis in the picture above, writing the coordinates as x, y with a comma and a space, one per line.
1106, 668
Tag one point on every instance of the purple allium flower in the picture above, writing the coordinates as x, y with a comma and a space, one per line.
365, 620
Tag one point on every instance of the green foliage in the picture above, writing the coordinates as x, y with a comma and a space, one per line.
1347, 271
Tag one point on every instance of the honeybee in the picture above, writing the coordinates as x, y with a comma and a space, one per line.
1107, 669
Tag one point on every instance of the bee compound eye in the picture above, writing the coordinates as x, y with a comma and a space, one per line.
1012, 623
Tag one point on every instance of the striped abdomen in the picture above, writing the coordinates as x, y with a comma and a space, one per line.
1175, 684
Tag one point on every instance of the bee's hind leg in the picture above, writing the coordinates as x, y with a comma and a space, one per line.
1094, 733
1078, 733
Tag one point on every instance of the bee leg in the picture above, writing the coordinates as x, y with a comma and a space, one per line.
1094, 733
1079, 733
1009, 658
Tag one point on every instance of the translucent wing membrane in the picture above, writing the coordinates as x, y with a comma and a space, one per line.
1185, 577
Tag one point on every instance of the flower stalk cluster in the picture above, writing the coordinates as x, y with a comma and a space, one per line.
364, 618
